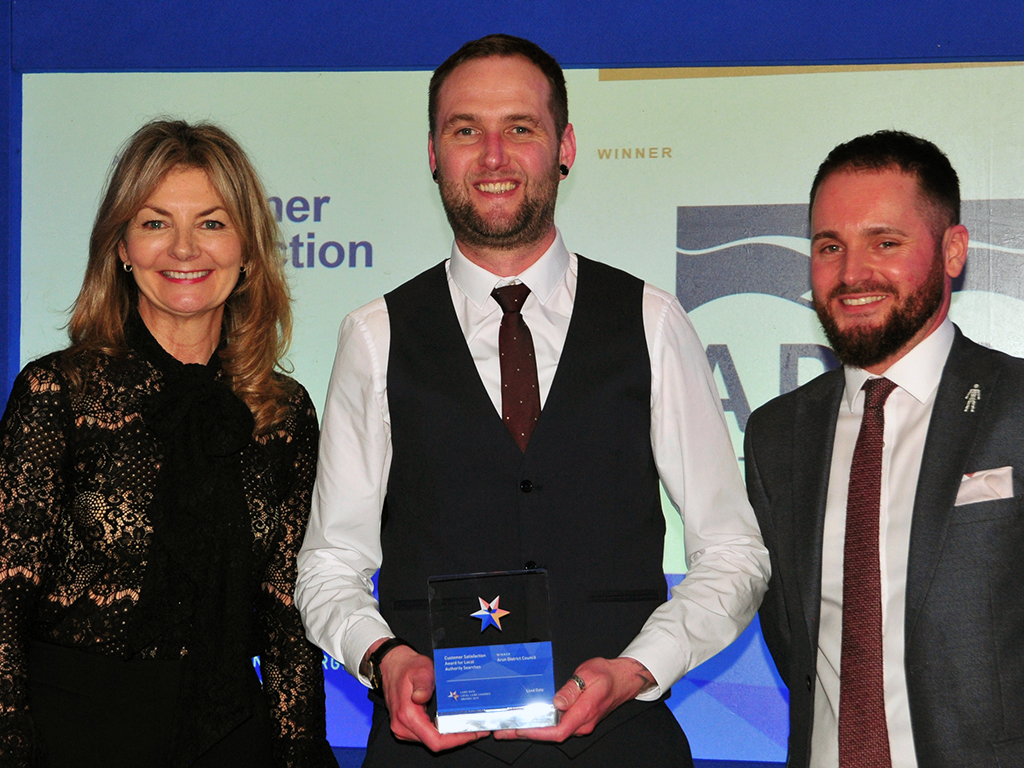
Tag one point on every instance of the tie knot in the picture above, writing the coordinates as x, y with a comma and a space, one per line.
511, 297
876, 391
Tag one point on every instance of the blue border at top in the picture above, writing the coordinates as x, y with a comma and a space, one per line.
287, 35
65, 36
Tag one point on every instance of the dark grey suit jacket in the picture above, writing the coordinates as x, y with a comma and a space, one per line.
964, 631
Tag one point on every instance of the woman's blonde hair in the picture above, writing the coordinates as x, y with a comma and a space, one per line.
257, 317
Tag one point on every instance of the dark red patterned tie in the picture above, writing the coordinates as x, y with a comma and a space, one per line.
863, 734
520, 394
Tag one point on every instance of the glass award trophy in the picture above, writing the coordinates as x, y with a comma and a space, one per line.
492, 651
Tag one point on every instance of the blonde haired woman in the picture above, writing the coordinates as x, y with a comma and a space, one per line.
155, 480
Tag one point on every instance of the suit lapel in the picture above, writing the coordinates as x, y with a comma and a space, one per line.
814, 429
951, 438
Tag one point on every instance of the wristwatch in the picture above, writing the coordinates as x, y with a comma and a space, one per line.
376, 681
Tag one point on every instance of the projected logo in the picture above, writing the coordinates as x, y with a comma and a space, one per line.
726, 257
742, 274
730, 249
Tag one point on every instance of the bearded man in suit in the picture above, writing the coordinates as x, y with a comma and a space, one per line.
892, 510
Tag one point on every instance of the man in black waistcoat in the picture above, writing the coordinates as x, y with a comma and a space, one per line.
420, 477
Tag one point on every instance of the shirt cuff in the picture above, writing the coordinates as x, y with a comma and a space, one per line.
359, 638
661, 657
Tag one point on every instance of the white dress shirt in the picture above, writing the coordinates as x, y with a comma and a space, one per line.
727, 561
908, 412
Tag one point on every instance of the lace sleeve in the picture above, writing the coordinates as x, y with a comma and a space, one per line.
291, 666
32, 450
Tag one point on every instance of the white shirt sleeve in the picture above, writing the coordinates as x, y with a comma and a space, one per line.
727, 562
342, 551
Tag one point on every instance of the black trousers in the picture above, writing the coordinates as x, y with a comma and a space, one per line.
651, 739
92, 711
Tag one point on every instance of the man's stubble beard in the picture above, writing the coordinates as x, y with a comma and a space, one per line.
865, 347
530, 224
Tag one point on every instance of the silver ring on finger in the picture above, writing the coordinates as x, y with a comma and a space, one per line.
579, 682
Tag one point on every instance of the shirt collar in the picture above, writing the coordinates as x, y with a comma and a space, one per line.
543, 276
918, 372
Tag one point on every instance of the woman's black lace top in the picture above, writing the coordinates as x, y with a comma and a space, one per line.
132, 510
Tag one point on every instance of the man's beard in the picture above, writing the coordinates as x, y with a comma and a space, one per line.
530, 224
862, 347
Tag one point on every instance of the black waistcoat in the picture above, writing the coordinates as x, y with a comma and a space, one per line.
583, 502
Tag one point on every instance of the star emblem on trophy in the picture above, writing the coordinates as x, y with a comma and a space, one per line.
489, 613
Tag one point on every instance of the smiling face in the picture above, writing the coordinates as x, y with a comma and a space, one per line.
881, 265
496, 153
185, 253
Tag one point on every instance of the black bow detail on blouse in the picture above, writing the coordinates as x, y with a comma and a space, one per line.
195, 409
198, 585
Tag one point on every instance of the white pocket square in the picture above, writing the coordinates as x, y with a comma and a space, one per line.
985, 485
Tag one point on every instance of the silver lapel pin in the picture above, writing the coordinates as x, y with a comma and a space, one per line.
972, 397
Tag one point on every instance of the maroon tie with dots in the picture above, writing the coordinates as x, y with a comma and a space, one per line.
520, 394
863, 734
